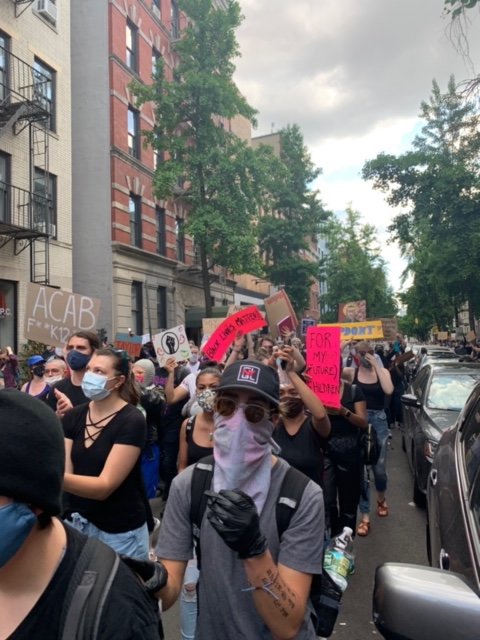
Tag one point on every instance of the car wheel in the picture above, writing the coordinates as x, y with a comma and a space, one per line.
419, 498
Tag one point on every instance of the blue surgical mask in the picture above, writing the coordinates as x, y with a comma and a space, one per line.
94, 386
77, 361
16, 522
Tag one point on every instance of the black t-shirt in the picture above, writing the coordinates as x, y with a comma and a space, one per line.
129, 614
304, 450
124, 509
73, 393
344, 442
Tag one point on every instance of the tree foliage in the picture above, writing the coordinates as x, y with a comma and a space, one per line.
285, 233
353, 268
217, 176
437, 186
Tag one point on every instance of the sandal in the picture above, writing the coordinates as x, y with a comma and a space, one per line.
382, 508
363, 528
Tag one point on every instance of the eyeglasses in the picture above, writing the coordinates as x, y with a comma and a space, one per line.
254, 413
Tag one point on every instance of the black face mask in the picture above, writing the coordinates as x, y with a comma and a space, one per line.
291, 407
39, 370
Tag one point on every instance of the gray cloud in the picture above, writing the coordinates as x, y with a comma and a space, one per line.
339, 67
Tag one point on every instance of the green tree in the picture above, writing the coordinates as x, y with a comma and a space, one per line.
437, 186
353, 269
285, 233
217, 176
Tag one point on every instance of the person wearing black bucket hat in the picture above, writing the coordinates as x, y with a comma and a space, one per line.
253, 582
38, 552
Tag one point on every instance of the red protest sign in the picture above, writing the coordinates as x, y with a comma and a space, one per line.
323, 363
247, 320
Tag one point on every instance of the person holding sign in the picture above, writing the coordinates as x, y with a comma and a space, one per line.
103, 443
301, 437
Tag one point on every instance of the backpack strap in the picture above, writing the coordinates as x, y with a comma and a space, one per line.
291, 492
201, 481
87, 591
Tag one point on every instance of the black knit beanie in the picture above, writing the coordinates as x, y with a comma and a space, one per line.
32, 451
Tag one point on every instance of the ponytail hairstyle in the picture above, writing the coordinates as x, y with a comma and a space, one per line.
130, 389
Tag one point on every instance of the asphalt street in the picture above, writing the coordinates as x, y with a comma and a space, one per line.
398, 538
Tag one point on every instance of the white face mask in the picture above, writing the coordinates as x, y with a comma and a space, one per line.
193, 358
53, 379
242, 453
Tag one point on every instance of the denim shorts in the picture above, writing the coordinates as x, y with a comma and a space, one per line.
134, 543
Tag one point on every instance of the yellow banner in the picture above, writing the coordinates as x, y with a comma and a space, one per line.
368, 330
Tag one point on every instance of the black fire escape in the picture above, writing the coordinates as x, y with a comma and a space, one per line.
27, 215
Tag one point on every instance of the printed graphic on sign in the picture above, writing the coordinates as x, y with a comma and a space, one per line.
244, 321
355, 311
323, 364
307, 322
52, 315
172, 343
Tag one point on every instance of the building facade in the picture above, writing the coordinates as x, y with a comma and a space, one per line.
130, 249
35, 155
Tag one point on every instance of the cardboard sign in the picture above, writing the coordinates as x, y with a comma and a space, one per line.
52, 315
370, 330
247, 320
131, 344
286, 326
278, 307
404, 357
172, 343
442, 335
323, 363
390, 328
210, 324
355, 311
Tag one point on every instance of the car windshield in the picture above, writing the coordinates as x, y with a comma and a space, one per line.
451, 390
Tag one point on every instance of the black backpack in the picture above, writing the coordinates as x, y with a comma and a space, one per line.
88, 590
325, 596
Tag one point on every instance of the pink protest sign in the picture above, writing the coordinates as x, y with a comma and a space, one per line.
246, 320
323, 363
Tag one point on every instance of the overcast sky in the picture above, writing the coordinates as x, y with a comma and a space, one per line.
352, 75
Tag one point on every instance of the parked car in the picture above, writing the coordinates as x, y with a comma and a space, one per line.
411, 602
453, 494
432, 404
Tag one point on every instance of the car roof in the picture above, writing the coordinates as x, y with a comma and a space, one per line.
448, 365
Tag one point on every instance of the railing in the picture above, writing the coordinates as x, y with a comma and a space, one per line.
22, 210
21, 83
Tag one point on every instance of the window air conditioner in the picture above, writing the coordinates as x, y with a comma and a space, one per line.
45, 227
47, 9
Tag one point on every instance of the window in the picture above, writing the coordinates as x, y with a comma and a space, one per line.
137, 308
161, 231
44, 86
4, 79
133, 128
135, 210
156, 9
156, 57
4, 187
175, 18
180, 236
132, 46
161, 308
45, 202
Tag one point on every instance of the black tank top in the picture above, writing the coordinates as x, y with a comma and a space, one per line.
373, 393
194, 451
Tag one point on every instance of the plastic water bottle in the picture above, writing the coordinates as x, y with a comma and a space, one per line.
339, 558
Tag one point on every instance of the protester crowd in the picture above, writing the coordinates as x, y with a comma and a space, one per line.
93, 435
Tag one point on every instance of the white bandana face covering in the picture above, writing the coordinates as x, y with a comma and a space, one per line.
242, 453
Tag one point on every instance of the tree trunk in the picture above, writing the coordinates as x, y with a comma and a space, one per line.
206, 281
471, 315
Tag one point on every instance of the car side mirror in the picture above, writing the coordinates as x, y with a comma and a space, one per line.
412, 602
410, 400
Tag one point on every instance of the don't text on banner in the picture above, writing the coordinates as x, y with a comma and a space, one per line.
245, 321
369, 330
323, 364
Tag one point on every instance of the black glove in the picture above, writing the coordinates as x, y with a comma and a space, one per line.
234, 517
153, 574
